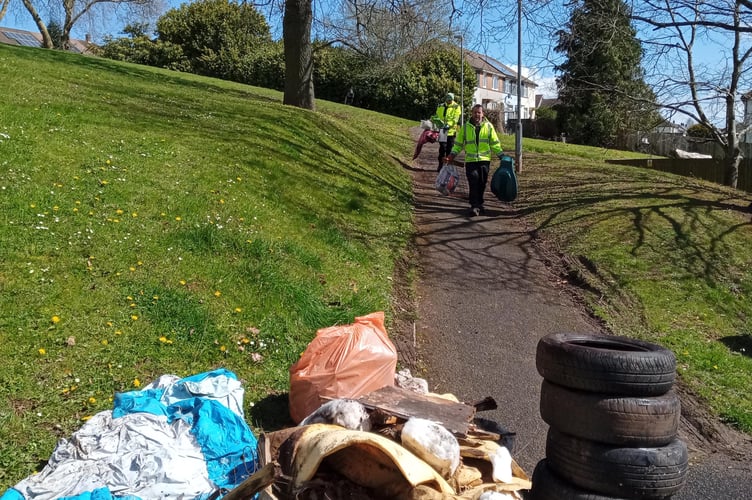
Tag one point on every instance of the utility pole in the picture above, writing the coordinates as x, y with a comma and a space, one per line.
518, 137
461, 37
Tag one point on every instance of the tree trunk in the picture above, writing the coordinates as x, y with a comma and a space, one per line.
4, 8
731, 164
46, 39
296, 32
733, 152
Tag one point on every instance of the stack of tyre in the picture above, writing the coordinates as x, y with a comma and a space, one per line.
613, 420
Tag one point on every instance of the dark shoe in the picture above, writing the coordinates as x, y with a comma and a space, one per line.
473, 212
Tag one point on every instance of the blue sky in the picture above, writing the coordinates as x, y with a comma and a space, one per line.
497, 38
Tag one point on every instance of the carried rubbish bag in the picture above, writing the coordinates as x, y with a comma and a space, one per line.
504, 181
447, 180
344, 361
443, 133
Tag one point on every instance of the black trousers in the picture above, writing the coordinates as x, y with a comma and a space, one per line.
477, 178
445, 148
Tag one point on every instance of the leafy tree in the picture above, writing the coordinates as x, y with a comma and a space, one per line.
138, 48
601, 88
56, 34
216, 37
412, 86
700, 131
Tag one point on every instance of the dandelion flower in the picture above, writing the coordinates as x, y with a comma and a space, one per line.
217, 293
42, 351
86, 418
105, 342
238, 310
223, 348
136, 382
134, 317
56, 319
92, 400
182, 282
178, 218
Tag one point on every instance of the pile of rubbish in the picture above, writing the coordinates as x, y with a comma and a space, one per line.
366, 431
363, 430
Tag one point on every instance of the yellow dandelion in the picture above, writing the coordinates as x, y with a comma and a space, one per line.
109, 323
105, 342
92, 400
86, 418
217, 293
55, 208
107, 162
56, 319
33, 205
221, 201
136, 382
140, 263
118, 332
178, 218
119, 211
134, 214
134, 317
131, 268
182, 282
239, 179
75, 210
155, 297
104, 182
133, 304
238, 310
42, 351
223, 348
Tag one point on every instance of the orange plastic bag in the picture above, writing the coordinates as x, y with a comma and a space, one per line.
345, 361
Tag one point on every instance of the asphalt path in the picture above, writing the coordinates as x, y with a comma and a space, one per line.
485, 296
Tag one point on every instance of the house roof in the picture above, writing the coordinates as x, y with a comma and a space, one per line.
546, 102
13, 36
486, 63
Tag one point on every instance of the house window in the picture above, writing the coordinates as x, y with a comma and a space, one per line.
495, 84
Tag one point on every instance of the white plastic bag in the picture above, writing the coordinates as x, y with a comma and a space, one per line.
447, 180
443, 134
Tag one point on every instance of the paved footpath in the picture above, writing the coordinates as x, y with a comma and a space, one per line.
485, 297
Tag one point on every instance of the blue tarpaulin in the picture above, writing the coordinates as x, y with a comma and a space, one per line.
177, 438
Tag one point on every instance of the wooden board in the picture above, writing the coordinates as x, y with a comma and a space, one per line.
402, 403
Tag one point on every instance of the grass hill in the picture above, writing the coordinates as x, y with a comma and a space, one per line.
156, 222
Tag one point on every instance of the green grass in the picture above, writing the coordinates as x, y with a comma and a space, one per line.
155, 222
661, 257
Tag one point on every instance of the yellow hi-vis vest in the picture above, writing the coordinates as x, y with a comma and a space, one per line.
449, 115
477, 147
